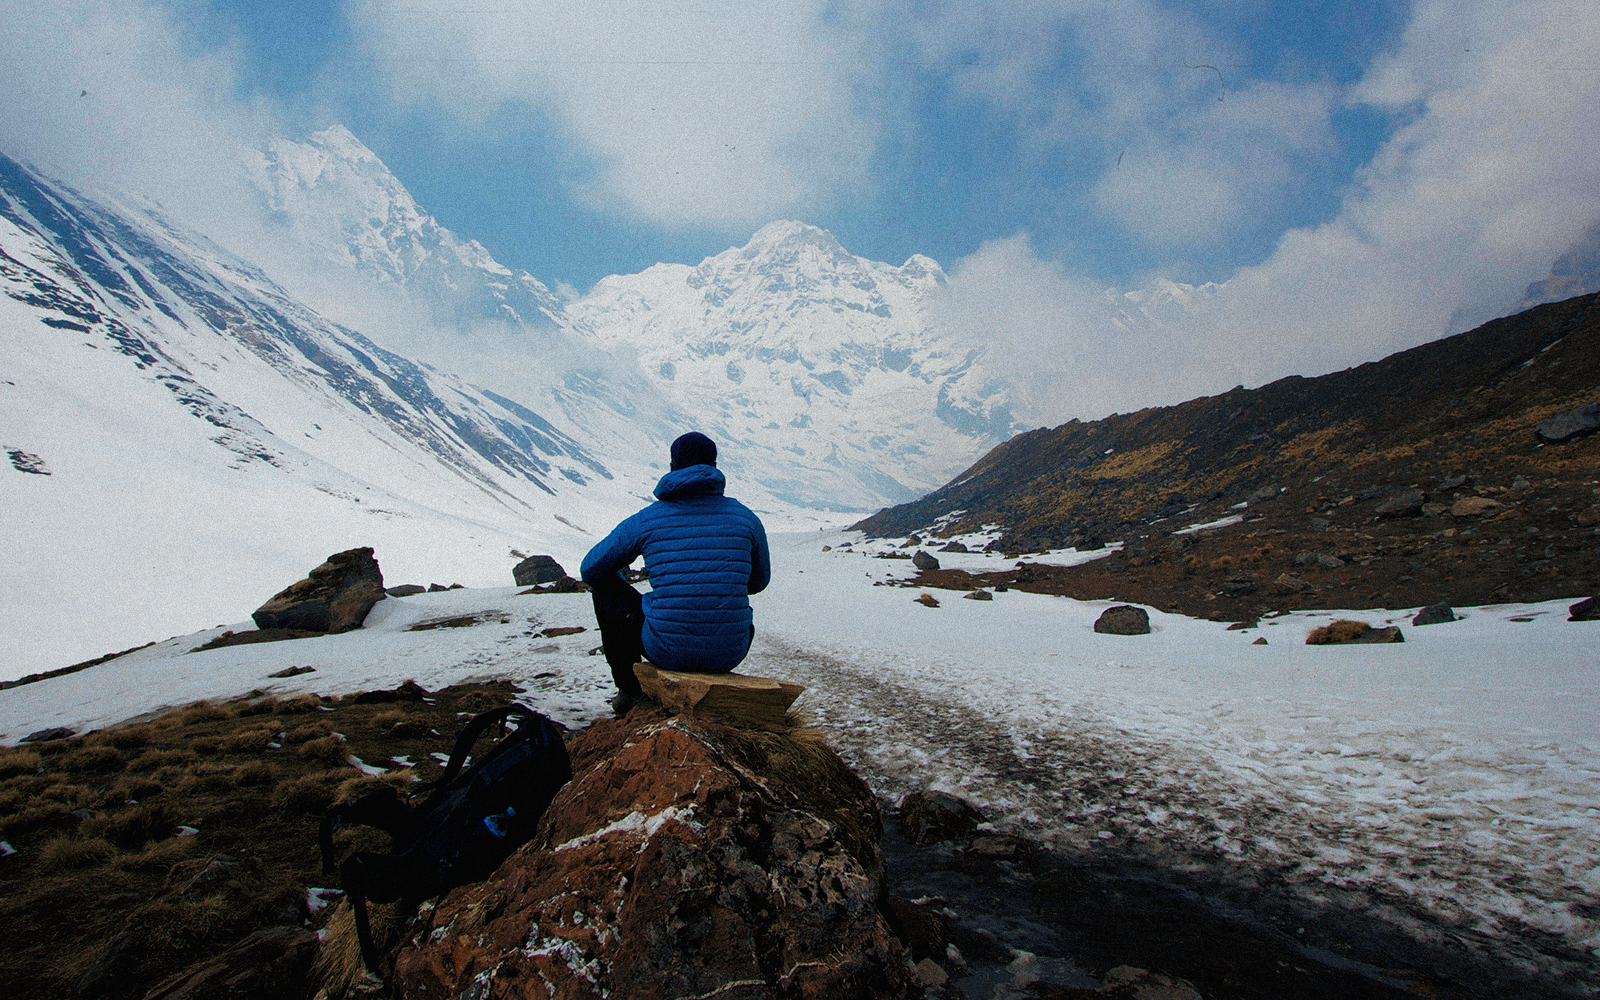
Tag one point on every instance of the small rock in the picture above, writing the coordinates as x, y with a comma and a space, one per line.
992, 845
1570, 425
1289, 583
1587, 610
1454, 483
1344, 631
1142, 984
437, 588
293, 672
1474, 507
954, 547
978, 595
929, 817
406, 590
1330, 562
1520, 483
927, 600
1123, 619
1407, 504
1262, 495
1589, 516
1261, 641
1435, 509
924, 561
929, 974
1434, 614
47, 735
1241, 626
1239, 586
1372, 493
535, 570
1090, 543
827, 548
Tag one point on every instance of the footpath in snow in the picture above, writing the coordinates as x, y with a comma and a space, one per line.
1449, 785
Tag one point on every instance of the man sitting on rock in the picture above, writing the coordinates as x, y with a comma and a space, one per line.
705, 553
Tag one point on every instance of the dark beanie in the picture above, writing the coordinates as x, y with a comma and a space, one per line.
693, 448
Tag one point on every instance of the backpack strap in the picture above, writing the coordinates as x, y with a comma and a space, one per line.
369, 948
381, 808
471, 732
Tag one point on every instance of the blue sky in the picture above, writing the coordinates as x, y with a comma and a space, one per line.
949, 164
1354, 179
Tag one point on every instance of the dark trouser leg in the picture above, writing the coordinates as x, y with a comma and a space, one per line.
619, 611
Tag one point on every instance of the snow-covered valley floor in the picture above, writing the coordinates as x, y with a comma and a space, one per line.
1449, 786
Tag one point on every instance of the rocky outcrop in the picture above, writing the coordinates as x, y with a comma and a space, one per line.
1407, 504
1434, 614
334, 597
1586, 610
929, 817
535, 570
1572, 424
676, 864
1124, 619
406, 590
271, 962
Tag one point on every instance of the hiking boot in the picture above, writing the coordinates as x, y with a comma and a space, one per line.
625, 701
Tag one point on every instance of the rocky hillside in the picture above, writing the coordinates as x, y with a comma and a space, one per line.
1351, 484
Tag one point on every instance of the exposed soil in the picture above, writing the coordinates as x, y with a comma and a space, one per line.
108, 893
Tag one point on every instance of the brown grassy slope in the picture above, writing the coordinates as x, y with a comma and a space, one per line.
1464, 403
92, 819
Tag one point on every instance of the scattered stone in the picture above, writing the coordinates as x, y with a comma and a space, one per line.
1260, 641
1330, 562
407, 691
1344, 631
1570, 425
827, 548
1142, 984
760, 702
919, 926
911, 542
537, 569
1435, 509
1290, 584
565, 585
1434, 614
1123, 619
1586, 610
1407, 504
924, 561
293, 672
272, 962
664, 869
927, 600
437, 588
954, 547
1520, 483
1262, 495
48, 735
552, 633
1090, 543
1239, 586
996, 845
25, 461
1454, 483
930, 975
1372, 493
1589, 516
249, 637
929, 817
978, 595
406, 590
1474, 507
1241, 626
334, 597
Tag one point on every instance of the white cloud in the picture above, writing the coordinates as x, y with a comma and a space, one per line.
104, 94
1496, 173
712, 113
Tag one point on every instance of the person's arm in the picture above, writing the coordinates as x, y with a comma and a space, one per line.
761, 561
613, 553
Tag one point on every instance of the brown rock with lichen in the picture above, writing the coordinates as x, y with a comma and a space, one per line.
334, 597
666, 868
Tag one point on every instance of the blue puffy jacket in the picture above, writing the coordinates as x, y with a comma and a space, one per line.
706, 554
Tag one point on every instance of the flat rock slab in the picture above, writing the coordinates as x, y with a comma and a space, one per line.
759, 702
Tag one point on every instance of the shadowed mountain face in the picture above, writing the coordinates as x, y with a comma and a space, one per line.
1303, 456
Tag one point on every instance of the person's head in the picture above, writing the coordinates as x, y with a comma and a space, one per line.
693, 448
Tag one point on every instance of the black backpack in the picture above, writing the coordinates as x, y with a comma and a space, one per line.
466, 827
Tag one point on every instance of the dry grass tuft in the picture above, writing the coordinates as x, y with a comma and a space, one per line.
15, 762
66, 853
329, 750
339, 967
129, 737
1343, 630
311, 793
155, 760
256, 773
299, 704
203, 711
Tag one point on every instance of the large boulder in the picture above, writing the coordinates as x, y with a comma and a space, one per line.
1571, 424
1406, 504
929, 817
1586, 610
923, 561
1345, 631
535, 570
1435, 614
335, 597
1124, 619
669, 867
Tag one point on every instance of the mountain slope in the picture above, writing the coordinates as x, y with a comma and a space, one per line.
181, 428
1301, 458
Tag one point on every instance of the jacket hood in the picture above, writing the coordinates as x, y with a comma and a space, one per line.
692, 481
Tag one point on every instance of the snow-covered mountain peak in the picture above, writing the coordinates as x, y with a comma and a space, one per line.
335, 197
